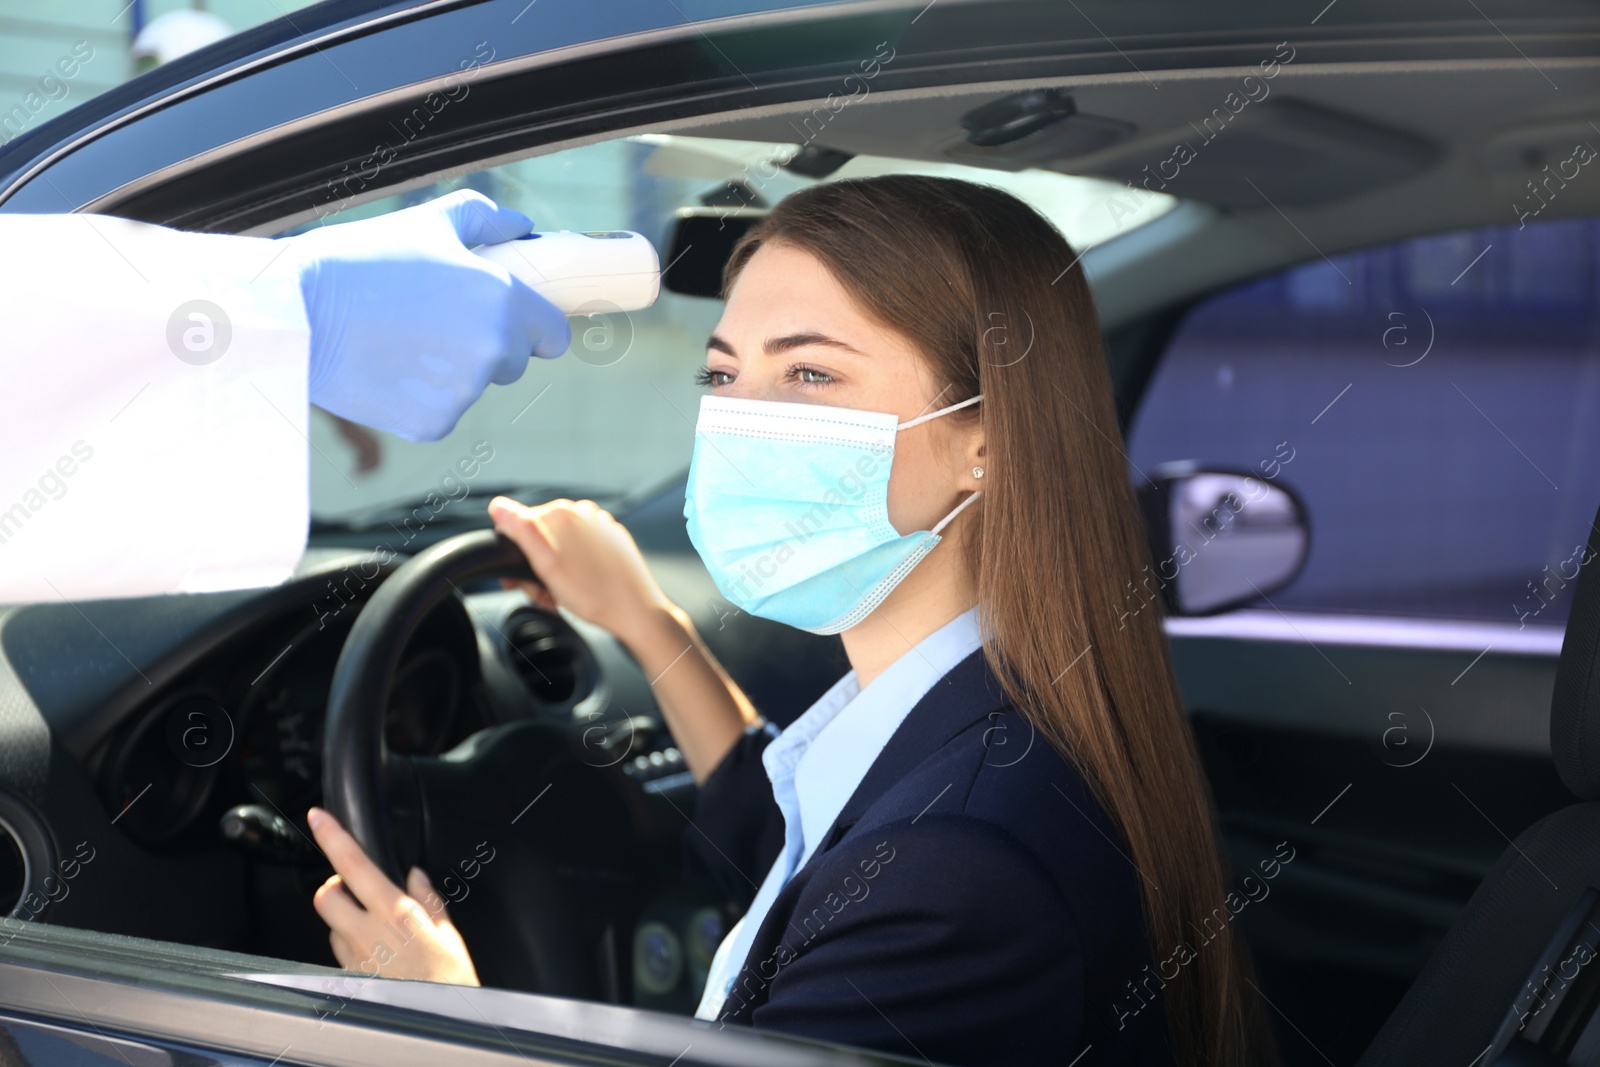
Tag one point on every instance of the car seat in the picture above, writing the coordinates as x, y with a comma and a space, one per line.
1515, 981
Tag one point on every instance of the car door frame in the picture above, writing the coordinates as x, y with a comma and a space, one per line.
109, 991
265, 128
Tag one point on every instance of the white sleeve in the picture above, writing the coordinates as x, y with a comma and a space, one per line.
153, 400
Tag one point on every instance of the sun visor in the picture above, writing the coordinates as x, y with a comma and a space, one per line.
1287, 151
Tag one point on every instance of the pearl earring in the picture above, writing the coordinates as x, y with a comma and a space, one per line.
977, 472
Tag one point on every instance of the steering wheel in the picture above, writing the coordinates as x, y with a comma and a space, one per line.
540, 845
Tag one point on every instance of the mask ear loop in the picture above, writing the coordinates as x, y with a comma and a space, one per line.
959, 509
942, 411
934, 415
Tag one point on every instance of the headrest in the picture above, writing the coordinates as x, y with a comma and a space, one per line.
1575, 703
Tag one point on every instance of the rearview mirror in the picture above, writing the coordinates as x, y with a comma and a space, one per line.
1221, 538
701, 241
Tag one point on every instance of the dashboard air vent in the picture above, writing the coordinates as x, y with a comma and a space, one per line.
548, 657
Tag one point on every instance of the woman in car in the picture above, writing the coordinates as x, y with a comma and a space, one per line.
991, 841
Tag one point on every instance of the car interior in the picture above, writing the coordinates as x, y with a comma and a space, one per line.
1351, 315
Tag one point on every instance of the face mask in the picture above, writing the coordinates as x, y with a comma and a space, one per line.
788, 505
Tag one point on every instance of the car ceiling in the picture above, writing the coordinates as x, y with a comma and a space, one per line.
1450, 142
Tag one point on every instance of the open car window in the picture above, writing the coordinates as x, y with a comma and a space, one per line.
614, 417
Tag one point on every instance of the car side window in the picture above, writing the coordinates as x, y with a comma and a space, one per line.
1435, 402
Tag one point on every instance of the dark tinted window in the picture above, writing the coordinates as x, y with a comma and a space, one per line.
1456, 480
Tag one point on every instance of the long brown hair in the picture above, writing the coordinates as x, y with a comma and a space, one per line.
989, 292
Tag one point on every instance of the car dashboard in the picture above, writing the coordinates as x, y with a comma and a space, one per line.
158, 736
244, 724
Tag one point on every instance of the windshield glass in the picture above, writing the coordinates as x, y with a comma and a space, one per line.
614, 418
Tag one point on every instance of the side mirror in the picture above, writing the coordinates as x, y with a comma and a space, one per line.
1220, 539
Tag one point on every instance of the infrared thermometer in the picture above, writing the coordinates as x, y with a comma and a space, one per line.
583, 273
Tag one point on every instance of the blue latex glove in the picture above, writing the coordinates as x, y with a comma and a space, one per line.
407, 326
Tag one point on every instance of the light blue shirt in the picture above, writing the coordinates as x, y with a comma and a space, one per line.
817, 763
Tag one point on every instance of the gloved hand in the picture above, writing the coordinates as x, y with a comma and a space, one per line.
407, 326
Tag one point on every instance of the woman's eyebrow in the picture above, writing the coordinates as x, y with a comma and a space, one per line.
776, 345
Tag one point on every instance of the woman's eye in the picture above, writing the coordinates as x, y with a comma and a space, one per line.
811, 376
713, 378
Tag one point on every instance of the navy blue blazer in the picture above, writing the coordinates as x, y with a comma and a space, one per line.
971, 905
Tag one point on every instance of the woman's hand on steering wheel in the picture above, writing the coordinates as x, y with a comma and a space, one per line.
375, 927
586, 560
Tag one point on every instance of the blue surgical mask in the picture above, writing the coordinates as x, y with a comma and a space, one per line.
788, 505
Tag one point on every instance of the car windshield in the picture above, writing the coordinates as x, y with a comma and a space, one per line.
613, 419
